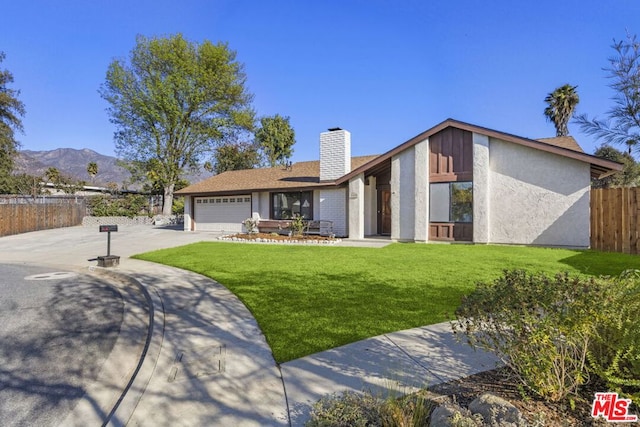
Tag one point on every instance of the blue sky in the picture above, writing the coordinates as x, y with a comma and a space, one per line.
384, 70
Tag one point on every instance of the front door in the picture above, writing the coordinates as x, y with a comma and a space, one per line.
384, 211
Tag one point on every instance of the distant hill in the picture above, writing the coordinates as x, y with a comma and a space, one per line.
73, 163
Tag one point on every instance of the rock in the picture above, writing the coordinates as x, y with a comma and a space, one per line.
496, 411
452, 415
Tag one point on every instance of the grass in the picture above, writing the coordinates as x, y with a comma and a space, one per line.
308, 299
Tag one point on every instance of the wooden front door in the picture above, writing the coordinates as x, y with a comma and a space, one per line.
384, 211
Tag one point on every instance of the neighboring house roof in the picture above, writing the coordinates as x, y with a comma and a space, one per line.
564, 142
599, 167
300, 175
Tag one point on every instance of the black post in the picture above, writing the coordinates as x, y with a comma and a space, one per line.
109, 243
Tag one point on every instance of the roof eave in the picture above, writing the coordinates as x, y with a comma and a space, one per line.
609, 165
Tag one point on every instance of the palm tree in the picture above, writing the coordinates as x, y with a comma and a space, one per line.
92, 170
562, 102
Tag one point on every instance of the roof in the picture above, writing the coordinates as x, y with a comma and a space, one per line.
300, 175
306, 175
559, 145
563, 142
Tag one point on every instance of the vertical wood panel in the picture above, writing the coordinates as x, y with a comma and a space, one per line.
615, 220
16, 218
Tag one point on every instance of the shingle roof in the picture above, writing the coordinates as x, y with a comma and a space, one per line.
299, 175
563, 142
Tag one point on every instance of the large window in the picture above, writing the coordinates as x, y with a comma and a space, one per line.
285, 205
451, 202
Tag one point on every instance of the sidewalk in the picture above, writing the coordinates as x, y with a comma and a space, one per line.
207, 362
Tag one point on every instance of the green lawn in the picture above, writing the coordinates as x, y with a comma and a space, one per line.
309, 298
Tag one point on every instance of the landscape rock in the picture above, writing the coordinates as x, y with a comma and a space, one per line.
452, 415
496, 411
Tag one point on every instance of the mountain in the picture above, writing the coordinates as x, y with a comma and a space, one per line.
73, 163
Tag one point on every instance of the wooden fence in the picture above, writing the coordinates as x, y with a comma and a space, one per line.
615, 220
21, 215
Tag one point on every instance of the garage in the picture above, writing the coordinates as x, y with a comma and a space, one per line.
221, 213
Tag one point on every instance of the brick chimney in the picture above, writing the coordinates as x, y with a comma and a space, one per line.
335, 154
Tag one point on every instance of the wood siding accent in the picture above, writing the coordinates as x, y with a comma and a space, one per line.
451, 156
615, 220
451, 231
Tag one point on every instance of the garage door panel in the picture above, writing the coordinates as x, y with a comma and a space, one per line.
222, 213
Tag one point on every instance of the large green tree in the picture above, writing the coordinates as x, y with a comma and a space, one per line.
173, 102
629, 176
11, 112
622, 125
560, 106
276, 138
236, 156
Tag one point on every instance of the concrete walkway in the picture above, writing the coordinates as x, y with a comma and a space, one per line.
206, 361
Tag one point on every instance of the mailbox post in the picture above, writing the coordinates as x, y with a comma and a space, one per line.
108, 260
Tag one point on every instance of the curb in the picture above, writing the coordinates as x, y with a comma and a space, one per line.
131, 395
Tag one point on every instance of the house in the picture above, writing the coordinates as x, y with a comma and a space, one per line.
453, 182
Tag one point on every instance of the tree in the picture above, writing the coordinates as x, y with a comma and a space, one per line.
561, 103
92, 170
629, 176
236, 156
173, 102
11, 112
276, 138
622, 126
62, 182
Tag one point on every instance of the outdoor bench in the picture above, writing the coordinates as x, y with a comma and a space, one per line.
274, 226
319, 227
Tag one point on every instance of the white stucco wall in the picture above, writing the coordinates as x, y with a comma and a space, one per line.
481, 186
260, 205
370, 207
188, 213
421, 191
403, 195
356, 207
536, 197
333, 207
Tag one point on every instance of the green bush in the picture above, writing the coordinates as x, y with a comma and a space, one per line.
540, 327
614, 352
129, 205
178, 206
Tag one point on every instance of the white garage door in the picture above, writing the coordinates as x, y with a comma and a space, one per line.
221, 213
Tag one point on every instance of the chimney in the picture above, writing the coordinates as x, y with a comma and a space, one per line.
335, 154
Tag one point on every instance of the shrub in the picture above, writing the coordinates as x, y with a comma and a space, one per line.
614, 352
178, 206
347, 409
540, 327
129, 205
297, 225
251, 225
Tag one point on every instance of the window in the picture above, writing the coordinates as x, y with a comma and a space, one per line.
247, 199
451, 202
232, 200
285, 205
